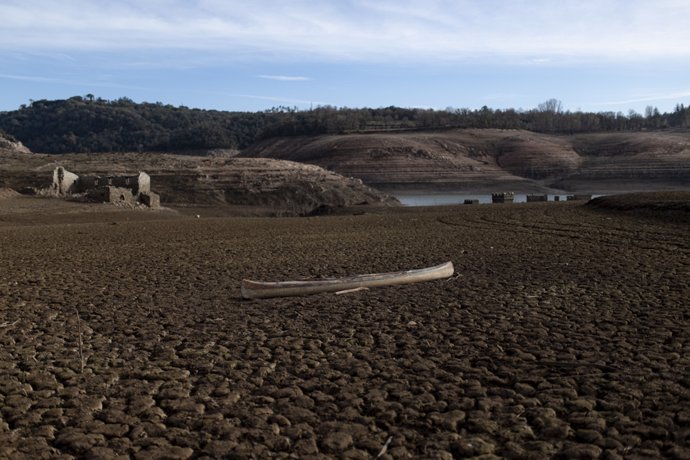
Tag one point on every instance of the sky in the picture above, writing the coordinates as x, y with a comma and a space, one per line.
252, 55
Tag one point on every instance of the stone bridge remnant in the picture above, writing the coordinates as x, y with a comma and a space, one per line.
535, 198
120, 190
503, 197
579, 197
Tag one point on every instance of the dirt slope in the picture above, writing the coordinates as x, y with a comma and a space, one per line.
7, 144
619, 161
263, 184
475, 159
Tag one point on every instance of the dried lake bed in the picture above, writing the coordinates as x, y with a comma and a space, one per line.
565, 332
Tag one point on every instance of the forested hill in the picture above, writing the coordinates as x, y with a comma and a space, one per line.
89, 124
95, 125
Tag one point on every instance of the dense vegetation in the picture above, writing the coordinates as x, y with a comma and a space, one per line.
95, 125
89, 124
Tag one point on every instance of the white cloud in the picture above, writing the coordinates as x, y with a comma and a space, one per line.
283, 78
372, 30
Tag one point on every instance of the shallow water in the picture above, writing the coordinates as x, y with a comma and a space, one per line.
439, 199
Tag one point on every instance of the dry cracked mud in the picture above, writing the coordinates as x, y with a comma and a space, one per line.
565, 333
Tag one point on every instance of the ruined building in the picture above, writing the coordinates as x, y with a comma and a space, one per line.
503, 197
120, 190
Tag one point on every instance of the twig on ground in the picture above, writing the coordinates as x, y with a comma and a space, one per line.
8, 324
384, 449
347, 291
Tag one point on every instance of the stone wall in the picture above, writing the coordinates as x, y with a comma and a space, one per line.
64, 182
503, 197
119, 196
138, 184
579, 197
120, 190
537, 198
150, 199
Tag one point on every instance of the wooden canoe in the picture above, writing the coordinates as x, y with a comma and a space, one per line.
261, 289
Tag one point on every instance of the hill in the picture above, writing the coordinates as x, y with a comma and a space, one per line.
490, 159
390, 148
89, 124
96, 125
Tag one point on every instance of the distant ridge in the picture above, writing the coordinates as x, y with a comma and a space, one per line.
89, 124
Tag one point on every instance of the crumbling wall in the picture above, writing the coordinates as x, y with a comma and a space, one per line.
537, 198
503, 197
120, 190
64, 182
150, 199
119, 196
143, 183
579, 197
140, 183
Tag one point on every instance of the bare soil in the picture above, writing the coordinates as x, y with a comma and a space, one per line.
566, 333
486, 160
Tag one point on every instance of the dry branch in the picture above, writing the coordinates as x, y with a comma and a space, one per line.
260, 289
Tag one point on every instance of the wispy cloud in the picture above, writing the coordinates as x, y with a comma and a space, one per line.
287, 100
66, 81
374, 30
34, 78
283, 78
674, 95
538, 61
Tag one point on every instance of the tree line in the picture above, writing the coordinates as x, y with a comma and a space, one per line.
89, 124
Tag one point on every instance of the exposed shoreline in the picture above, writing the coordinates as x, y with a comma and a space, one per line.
564, 333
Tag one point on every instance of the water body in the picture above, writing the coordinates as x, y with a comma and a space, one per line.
440, 199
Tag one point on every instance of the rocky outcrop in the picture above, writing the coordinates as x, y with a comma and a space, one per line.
12, 145
287, 187
270, 186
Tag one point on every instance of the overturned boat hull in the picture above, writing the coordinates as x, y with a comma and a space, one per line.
261, 290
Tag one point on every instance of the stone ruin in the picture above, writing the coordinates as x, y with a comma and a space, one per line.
503, 197
579, 197
536, 198
125, 191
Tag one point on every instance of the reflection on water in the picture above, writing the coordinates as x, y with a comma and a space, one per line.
439, 199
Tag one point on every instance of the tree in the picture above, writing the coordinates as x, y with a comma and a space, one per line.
651, 112
551, 105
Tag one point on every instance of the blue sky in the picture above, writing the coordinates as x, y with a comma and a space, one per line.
593, 55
